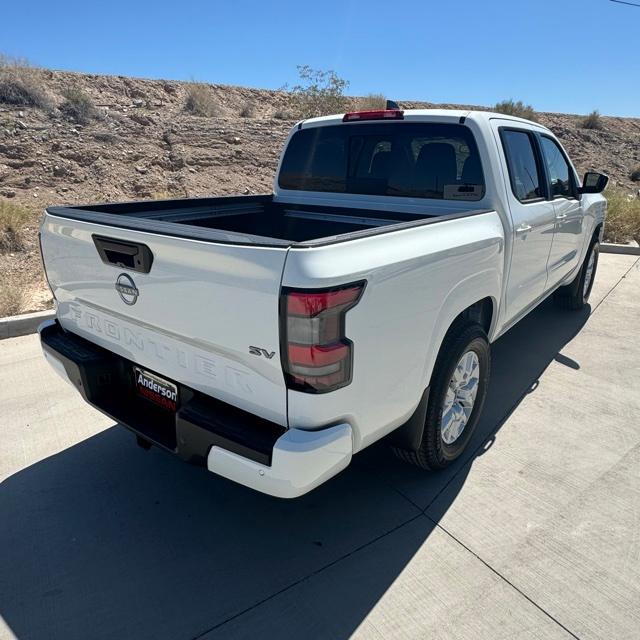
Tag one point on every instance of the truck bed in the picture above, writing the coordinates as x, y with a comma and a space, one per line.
130, 279
249, 219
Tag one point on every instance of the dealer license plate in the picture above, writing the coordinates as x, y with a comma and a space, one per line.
157, 389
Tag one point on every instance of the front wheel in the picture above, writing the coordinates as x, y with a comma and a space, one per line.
458, 390
576, 294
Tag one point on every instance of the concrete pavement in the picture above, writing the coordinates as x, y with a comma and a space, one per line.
535, 533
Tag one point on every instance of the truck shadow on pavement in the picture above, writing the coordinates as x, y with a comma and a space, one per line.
104, 540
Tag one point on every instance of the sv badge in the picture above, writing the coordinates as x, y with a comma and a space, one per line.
257, 351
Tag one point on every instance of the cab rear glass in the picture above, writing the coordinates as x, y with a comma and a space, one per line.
421, 160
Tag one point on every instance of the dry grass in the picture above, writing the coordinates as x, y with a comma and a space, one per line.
372, 102
78, 106
516, 108
12, 296
593, 121
166, 194
12, 220
20, 85
201, 101
623, 217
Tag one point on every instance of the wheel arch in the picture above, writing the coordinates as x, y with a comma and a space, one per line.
597, 231
483, 312
475, 300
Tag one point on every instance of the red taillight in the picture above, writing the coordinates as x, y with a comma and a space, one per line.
379, 114
316, 352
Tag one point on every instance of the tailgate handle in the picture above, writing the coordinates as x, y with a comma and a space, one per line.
124, 254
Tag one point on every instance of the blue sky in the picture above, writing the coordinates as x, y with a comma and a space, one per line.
563, 55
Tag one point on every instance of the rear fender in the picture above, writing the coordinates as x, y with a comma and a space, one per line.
476, 287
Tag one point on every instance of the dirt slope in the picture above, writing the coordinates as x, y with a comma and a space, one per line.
143, 144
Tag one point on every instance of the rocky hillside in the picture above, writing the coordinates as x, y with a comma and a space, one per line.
139, 141
142, 143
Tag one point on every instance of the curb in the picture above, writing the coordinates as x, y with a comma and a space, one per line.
14, 326
631, 249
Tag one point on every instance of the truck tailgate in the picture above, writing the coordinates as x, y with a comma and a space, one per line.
191, 318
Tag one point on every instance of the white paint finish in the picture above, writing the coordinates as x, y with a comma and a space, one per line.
198, 311
418, 281
528, 273
301, 461
568, 239
530, 237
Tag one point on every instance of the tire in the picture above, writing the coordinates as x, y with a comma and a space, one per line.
575, 295
436, 449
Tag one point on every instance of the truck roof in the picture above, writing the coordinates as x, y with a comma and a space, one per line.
431, 115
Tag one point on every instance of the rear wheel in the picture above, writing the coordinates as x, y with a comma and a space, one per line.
576, 294
457, 395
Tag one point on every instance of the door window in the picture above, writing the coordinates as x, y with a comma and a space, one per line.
524, 172
558, 169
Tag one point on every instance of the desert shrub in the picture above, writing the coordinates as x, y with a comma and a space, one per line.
248, 110
283, 114
77, 105
200, 100
623, 217
593, 121
12, 296
318, 93
12, 220
20, 85
635, 174
516, 108
371, 102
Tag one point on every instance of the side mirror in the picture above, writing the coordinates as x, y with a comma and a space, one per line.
593, 182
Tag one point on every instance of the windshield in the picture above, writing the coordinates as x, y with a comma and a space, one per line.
423, 160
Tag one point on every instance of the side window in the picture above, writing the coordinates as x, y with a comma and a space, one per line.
522, 165
557, 168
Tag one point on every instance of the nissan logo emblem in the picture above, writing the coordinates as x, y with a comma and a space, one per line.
127, 289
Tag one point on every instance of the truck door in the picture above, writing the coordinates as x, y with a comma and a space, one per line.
569, 220
532, 216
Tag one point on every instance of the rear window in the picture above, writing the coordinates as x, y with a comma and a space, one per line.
424, 160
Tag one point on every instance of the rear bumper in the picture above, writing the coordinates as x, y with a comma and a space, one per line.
301, 461
232, 443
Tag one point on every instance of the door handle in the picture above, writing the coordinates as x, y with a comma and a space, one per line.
523, 228
561, 216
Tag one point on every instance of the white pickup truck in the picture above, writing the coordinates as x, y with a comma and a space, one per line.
271, 337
